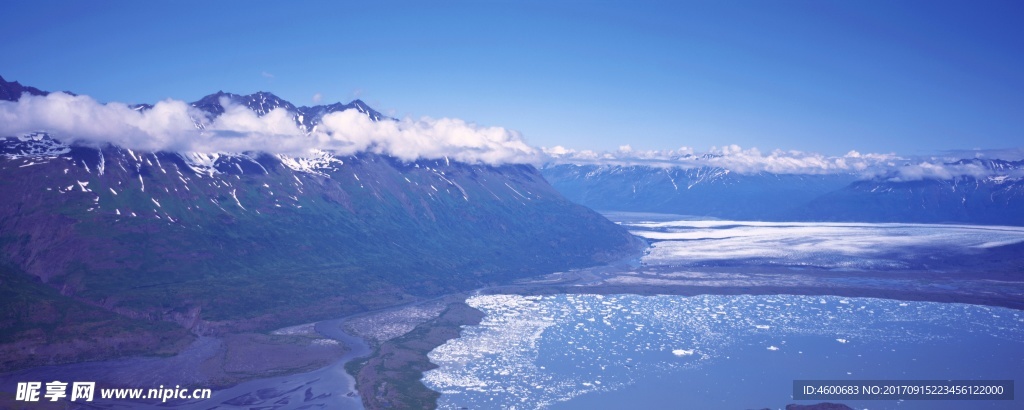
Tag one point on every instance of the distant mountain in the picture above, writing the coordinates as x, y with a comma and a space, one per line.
238, 241
704, 191
996, 198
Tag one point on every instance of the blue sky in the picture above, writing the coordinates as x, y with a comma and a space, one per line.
826, 76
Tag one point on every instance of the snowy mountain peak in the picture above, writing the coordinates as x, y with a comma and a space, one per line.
41, 146
260, 102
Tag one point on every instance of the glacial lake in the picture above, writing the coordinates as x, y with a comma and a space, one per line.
714, 351
582, 351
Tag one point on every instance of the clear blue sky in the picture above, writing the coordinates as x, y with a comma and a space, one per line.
909, 77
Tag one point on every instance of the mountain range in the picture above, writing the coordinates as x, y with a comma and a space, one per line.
996, 197
105, 250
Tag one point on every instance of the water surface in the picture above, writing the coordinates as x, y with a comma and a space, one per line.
587, 351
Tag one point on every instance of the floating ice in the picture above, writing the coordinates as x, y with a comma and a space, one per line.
532, 352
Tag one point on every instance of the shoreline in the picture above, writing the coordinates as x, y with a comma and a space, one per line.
973, 286
390, 377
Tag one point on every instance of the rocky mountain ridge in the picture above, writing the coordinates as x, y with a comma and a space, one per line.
225, 242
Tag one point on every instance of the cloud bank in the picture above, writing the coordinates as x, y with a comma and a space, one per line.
731, 157
172, 125
888, 166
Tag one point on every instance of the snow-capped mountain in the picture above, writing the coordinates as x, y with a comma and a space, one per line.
215, 240
987, 191
263, 102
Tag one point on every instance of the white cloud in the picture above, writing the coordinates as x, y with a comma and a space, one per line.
176, 126
731, 157
749, 161
407, 139
558, 151
317, 98
172, 125
168, 125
